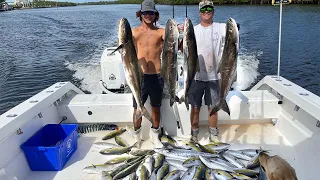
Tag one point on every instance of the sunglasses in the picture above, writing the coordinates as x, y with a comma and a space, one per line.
148, 12
207, 8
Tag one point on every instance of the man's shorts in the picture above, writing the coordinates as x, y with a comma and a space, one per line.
210, 90
151, 85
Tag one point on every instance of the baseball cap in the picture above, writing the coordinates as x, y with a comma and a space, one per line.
148, 5
205, 3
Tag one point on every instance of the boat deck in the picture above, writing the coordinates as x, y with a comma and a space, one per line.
239, 136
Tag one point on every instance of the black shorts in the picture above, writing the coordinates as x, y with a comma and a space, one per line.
151, 85
210, 89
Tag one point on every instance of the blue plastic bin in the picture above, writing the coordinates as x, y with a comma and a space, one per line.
51, 147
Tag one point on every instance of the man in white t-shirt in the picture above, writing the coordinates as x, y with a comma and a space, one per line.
210, 37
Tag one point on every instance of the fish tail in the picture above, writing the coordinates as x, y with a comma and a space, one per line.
138, 114
186, 101
173, 100
182, 99
214, 110
225, 107
197, 66
263, 150
146, 114
136, 144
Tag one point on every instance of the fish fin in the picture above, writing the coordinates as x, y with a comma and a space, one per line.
176, 99
214, 110
140, 72
102, 152
165, 92
186, 102
135, 145
146, 114
198, 66
118, 48
225, 107
171, 101
219, 68
234, 78
185, 99
182, 99
263, 150
181, 71
138, 114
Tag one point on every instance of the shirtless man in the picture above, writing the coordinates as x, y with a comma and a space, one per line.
148, 41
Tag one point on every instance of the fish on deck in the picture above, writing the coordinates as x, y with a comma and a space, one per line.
277, 168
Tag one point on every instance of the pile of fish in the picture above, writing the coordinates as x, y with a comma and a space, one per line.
179, 159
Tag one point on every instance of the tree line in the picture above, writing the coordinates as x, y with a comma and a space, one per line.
41, 3
176, 2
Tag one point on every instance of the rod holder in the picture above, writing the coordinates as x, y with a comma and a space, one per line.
318, 124
296, 108
19, 131
274, 121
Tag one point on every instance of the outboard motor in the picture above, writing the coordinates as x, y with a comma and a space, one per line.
112, 72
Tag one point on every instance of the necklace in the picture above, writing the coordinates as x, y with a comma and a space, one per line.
148, 33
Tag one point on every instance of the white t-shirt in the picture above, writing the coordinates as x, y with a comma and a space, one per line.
210, 43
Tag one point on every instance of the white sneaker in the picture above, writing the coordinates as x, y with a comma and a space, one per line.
214, 139
137, 137
154, 138
213, 135
194, 135
130, 130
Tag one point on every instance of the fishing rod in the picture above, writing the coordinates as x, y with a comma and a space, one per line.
186, 2
172, 9
279, 47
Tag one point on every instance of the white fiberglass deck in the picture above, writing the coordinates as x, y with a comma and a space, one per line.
239, 136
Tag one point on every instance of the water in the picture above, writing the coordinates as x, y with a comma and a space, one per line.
42, 46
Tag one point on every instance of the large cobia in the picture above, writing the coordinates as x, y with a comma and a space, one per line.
131, 66
191, 64
169, 58
228, 65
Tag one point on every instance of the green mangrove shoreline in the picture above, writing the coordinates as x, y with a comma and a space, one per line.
53, 4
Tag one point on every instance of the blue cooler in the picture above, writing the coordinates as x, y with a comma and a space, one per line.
51, 147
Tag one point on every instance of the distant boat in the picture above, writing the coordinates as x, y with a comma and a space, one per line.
4, 6
277, 2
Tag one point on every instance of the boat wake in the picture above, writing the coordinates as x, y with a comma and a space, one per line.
247, 69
